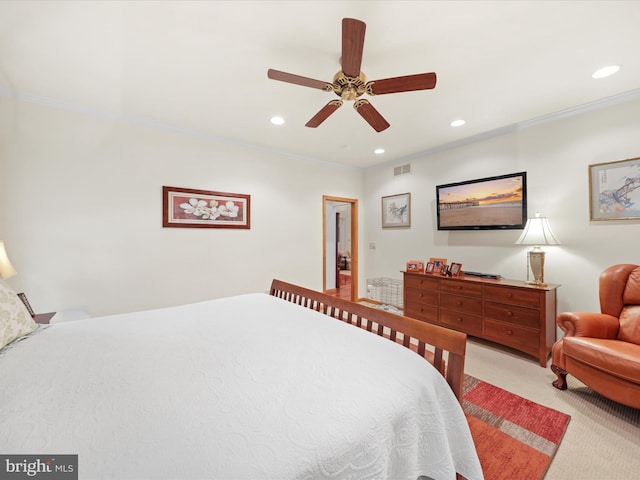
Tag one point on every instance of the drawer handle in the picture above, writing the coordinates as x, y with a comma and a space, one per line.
459, 303
422, 295
459, 287
460, 319
510, 332
509, 313
509, 294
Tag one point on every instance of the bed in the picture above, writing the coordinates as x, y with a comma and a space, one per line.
286, 385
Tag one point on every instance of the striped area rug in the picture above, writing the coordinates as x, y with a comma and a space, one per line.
514, 437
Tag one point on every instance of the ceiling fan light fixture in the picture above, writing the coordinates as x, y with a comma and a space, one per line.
349, 83
379, 151
277, 120
457, 123
605, 71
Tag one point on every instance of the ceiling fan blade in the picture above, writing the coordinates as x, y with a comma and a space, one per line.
352, 46
324, 113
298, 80
408, 83
371, 115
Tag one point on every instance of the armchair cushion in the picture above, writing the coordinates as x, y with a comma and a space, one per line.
630, 324
615, 357
631, 295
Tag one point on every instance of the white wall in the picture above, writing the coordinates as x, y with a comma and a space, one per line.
555, 156
330, 234
344, 240
80, 210
81, 213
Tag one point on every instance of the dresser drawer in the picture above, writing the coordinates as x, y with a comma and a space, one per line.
429, 297
461, 304
461, 288
428, 313
512, 314
470, 324
421, 281
514, 296
512, 335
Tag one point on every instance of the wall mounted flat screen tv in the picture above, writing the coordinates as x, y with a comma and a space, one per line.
492, 203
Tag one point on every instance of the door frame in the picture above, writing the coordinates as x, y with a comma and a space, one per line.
354, 242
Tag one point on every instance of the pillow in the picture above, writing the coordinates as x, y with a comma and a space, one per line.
15, 320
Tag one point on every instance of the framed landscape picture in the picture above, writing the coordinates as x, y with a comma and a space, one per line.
614, 190
396, 211
188, 208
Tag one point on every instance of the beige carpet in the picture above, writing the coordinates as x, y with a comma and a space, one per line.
602, 440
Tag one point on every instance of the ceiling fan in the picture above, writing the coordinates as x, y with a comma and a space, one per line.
350, 83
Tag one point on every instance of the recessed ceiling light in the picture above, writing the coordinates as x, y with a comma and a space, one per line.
457, 123
606, 71
379, 151
277, 120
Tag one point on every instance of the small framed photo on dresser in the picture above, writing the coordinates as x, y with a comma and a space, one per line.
455, 269
429, 268
438, 263
415, 266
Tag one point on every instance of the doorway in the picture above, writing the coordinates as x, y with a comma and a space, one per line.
340, 246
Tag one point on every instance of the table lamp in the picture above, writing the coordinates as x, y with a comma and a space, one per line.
537, 232
6, 269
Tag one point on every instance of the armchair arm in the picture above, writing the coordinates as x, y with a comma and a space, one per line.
586, 324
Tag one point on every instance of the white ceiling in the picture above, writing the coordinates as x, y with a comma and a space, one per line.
201, 67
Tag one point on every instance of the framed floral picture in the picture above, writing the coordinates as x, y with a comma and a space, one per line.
189, 208
396, 211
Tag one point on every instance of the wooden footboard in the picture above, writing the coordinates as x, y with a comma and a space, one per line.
429, 341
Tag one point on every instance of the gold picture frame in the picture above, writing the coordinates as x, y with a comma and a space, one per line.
614, 190
396, 211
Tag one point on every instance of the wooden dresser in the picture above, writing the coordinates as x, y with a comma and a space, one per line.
509, 312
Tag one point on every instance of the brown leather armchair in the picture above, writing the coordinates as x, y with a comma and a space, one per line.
602, 350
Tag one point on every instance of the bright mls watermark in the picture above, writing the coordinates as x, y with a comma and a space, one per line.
50, 467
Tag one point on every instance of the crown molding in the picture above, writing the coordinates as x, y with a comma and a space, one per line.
551, 117
73, 107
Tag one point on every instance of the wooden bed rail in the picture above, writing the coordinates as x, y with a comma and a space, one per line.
411, 333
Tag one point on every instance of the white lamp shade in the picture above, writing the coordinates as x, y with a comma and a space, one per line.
537, 231
6, 269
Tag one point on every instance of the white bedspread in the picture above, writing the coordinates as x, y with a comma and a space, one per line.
248, 387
